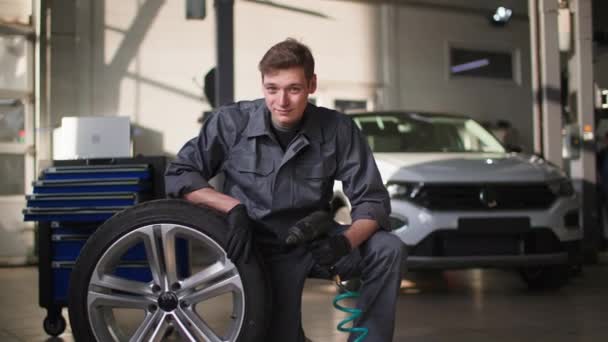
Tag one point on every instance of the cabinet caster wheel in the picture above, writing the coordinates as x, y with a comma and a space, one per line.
54, 326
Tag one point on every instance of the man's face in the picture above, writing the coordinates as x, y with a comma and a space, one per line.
286, 92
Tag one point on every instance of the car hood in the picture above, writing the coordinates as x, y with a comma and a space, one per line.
465, 167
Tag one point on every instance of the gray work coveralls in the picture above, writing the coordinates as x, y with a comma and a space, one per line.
281, 187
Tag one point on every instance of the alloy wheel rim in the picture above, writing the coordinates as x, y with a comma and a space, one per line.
168, 301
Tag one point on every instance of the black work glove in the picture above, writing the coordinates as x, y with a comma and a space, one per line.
238, 246
328, 251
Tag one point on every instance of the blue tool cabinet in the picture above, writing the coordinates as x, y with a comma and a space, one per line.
70, 200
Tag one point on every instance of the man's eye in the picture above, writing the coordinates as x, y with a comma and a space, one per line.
271, 89
295, 90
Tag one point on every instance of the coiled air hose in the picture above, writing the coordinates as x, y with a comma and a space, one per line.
354, 312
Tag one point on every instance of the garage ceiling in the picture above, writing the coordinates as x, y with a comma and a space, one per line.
519, 6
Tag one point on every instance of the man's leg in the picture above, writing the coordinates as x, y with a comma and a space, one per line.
378, 262
287, 273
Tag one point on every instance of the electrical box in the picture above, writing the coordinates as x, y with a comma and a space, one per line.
195, 9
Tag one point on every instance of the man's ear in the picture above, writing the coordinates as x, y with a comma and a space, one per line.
312, 84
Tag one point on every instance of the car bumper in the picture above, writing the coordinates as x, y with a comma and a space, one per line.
436, 241
570, 255
491, 261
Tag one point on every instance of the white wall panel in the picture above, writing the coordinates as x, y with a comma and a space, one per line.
149, 60
424, 36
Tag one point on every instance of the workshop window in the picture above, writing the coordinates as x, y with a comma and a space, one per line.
12, 169
350, 106
478, 63
12, 121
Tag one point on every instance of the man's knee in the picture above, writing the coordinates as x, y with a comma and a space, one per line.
388, 246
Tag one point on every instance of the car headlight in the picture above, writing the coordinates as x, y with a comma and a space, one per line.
562, 187
402, 190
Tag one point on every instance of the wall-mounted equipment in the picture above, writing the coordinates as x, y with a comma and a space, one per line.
571, 142
196, 9
601, 98
564, 24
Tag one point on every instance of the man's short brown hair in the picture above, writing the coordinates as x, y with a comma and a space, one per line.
288, 54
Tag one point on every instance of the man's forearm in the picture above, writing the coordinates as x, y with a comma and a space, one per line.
212, 198
360, 231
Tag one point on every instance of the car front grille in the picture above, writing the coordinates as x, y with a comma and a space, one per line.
484, 197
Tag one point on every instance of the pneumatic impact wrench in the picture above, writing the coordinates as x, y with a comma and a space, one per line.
310, 228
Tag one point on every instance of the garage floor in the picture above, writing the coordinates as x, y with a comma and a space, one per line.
452, 306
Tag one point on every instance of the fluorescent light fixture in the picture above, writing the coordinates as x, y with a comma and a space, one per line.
470, 65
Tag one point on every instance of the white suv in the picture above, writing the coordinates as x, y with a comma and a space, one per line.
460, 200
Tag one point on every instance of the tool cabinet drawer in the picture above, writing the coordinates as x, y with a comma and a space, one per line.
75, 186
140, 171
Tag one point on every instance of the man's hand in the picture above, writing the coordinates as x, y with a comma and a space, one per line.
239, 242
328, 251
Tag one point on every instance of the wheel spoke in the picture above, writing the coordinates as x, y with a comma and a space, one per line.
217, 269
183, 330
159, 333
155, 257
147, 325
201, 330
98, 299
168, 247
114, 283
229, 284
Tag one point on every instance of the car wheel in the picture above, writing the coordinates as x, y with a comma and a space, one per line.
113, 296
545, 277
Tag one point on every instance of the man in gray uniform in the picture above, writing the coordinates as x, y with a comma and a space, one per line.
280, 156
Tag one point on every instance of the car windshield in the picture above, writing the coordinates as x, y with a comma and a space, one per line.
410, 132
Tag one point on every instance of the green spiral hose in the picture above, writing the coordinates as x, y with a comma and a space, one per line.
354, 314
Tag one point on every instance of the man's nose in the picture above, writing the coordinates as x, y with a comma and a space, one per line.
283, 98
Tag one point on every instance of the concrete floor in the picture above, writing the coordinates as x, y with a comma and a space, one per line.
474, 305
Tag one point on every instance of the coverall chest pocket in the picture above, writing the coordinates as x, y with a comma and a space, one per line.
313, 182
254, 176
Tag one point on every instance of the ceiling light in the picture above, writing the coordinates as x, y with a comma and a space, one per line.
501, 16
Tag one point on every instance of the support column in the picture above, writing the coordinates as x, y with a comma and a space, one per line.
537, 132
546, 83
224, 81
582, 170
388, 54
42, 114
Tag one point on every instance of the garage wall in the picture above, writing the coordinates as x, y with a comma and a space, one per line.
143, 59
424, 34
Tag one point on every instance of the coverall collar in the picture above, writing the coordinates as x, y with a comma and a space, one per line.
311, 127
259, 123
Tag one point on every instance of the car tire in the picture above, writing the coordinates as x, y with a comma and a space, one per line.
545, 277
158, 223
